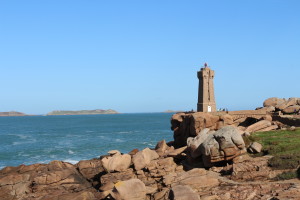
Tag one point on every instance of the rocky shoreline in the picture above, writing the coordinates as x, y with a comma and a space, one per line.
161, 173
208, 160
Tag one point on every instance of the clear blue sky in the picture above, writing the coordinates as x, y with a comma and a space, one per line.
143, 56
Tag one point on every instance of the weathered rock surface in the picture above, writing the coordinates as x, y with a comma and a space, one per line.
144, 157
289, 102
56, 180
291, 109
116, 162
183, 192
258, 126
224, 144
255, 147
190, 125
274, 101
161, 179
91, 170
133, 189
252, 169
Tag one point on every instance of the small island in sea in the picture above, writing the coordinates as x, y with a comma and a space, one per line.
11, 113
83, 112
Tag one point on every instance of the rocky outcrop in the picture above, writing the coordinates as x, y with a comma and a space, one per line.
56, 180
187, 125
258, 126
161, 179
222, 145
291, 109
290, 106
273, 101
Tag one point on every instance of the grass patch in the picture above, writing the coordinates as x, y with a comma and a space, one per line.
283, 145
287, 175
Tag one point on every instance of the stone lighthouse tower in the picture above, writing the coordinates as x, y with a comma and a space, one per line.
206, 95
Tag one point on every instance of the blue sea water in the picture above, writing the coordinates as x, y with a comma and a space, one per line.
40, 139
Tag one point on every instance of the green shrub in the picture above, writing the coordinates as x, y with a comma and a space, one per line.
285, 161
287, 175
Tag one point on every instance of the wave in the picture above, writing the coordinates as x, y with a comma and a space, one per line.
25, 142
71, 161
70, 152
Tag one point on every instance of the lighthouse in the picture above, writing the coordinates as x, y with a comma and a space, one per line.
206, 95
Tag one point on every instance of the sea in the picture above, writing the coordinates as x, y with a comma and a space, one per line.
41, 139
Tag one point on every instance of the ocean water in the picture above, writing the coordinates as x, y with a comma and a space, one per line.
40, 139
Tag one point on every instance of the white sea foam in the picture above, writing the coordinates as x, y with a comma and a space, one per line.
124, 132
21, 136
71, 161
119, 140
71, 152
24, 142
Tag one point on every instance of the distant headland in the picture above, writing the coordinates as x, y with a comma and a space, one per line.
12, 113
83, 112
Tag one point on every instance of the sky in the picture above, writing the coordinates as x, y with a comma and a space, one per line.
143, 56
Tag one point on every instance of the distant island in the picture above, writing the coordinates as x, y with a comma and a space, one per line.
172, 111
83, 112
11, 113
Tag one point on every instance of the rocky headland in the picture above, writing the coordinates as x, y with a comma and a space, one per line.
83, 112
210, 158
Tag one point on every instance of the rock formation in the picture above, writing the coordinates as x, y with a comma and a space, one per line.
222, 145
160, 178
267, 118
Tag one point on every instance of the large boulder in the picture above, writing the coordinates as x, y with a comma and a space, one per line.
187, 125
291, 109
183, 192
143, 158
117, 162
194, 143
258, 126
224, 144
273, 101
133, 189
91, 170
289, 102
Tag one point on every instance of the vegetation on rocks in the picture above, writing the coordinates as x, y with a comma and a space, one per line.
284, 146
